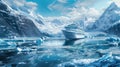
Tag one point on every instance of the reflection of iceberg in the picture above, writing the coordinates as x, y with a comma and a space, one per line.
69, 42
19, 44
73, 34
6, 46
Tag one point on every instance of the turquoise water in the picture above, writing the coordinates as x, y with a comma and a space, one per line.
64, 53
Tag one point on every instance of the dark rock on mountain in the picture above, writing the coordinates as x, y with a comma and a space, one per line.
115, 29
16, 25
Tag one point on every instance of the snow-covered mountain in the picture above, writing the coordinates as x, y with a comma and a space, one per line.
76, 25
108, 22
15, 23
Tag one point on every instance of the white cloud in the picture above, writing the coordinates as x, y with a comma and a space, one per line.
78, 11
62, 1
74, 14
60, 6
85, 3
22, 5
85, 14
56, 7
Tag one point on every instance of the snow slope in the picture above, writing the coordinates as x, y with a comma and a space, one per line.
17, 23
108, 18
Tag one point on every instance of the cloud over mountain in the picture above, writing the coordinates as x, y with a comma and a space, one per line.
22, 5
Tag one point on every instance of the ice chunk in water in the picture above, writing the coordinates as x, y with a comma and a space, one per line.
106, 61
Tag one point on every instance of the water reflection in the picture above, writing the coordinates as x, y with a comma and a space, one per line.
69, 42
53, 52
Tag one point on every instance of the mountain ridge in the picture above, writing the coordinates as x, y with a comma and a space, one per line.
18, 25
107, 20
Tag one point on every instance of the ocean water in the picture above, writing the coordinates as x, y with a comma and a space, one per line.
88, 52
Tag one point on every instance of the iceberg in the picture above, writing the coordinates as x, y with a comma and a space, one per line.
20, 44
106, 61
6, 45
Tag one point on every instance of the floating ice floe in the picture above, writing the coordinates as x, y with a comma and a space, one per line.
106, 61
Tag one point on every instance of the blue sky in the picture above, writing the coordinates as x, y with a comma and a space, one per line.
53, 7
64, 12
43, 6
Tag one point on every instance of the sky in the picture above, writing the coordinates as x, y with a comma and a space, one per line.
72, 10
46, 7
56, 14
58, 7
66, 12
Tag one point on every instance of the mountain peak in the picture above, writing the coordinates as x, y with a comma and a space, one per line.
113, 6
108, 18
